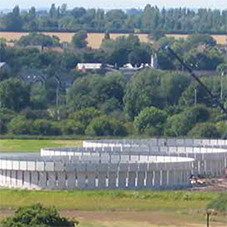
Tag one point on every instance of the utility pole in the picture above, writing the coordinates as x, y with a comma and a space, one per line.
57, 96
222, 78
195, 101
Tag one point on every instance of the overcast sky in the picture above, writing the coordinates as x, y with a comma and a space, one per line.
109, 4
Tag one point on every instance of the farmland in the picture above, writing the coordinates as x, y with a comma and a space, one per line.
95, 39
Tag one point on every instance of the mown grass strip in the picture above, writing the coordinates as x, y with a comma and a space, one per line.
34, 145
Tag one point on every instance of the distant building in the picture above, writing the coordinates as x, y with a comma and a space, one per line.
32, 76
86, 67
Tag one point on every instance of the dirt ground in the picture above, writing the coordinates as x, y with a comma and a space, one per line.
131, 219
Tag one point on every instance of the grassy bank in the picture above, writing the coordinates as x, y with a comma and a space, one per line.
34, 145
107, 200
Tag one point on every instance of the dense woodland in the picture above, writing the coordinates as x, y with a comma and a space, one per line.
150, 19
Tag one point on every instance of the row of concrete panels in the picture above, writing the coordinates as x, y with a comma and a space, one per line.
82, 166
94, 180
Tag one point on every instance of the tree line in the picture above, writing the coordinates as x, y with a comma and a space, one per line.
151, 103
149, 19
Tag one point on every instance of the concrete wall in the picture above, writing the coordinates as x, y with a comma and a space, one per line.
97, 176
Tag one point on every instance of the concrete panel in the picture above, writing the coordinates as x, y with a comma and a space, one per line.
52, 180
59, 166
43, 180
13, 178
132, 179
71, 177
164, 180
20, 178
81, 180
112, 179
23, 165
34, 180
40, 166
102, 176
31, 166
49, 166
140, 179
122, 179
61, 180
27, 179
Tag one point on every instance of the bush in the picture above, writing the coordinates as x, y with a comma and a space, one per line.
205, 130
71, 127
150, 117
46, 127
35, 114
180, 124
37, 216
3, 128
85, 116
20, 126
105, 126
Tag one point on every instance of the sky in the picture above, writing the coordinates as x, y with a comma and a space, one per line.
110, 4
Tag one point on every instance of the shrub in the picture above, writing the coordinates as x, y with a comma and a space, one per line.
71, 127
105, 126
46, 127
3, 128
85, 116
205, 130
37, 216
20, 126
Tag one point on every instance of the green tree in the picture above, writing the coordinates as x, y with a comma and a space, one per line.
71, 127
37, 216
172, 86
205, 130
46, 127
20, 126
105, 126
13, 20
14, 95
142, 91
85, 116
38, 39
150, 117
79, 40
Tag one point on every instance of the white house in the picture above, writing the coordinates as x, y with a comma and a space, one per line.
88, 66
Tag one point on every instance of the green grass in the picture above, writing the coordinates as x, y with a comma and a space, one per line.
130, 207
107, 200
34, 145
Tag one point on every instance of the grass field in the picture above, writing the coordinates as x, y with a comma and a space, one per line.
107, 200
34, 145
118, 208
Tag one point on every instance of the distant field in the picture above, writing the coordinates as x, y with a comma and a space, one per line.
95, 39
34, 145
119, 208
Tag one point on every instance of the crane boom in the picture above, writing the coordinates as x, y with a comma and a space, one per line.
214, 99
